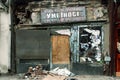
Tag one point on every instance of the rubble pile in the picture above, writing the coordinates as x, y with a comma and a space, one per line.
36, 73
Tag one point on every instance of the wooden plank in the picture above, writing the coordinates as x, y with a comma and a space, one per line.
60, 49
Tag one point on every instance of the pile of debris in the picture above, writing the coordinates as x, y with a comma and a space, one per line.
37, 73
34, 72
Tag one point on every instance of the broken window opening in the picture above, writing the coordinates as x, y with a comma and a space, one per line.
90, 44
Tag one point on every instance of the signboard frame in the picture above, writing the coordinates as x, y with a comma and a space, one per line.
61, 15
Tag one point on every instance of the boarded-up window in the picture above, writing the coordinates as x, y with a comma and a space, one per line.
60, 49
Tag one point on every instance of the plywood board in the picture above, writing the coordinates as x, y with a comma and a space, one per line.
60, 49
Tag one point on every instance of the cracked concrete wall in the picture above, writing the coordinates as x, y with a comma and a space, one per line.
5, 40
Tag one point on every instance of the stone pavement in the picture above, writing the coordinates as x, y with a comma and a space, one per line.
78, 77
96, 77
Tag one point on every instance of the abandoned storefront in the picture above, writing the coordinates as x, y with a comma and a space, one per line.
64, 33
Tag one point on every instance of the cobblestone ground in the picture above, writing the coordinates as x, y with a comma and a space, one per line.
78, 77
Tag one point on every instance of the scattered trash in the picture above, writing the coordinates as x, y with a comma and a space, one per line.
71, 79
33, 72
55, 74
62, 72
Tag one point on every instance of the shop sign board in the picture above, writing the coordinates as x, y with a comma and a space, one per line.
60, 15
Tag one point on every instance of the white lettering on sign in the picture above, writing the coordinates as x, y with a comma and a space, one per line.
53, 15
77, 14
69, 14
63, 15
74, 14
48, 15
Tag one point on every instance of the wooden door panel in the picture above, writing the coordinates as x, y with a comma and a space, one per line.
60, 49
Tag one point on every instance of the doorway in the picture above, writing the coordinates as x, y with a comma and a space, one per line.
60, 51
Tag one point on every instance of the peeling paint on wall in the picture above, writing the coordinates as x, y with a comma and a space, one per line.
74, 43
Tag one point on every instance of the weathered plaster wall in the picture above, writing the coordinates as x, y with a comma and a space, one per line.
4, 42
106, 39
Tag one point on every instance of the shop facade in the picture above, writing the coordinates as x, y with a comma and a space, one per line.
61, 34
